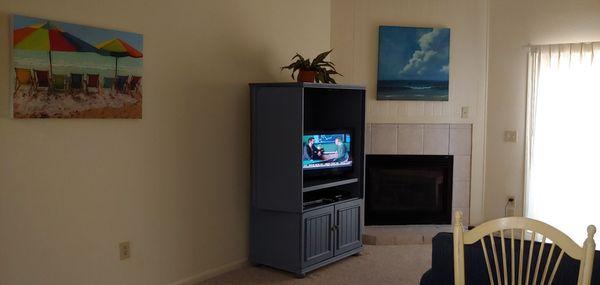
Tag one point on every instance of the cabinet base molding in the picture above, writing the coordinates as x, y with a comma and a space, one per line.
356, 251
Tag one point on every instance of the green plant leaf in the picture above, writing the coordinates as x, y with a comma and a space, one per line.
298, 56
321, 56
330, 72
323, 68
326, 65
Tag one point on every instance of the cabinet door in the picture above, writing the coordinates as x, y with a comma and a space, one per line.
348, 223
317, 230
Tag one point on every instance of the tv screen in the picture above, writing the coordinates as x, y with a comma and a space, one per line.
326, 151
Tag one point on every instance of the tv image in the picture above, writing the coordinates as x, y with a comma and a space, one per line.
326, 151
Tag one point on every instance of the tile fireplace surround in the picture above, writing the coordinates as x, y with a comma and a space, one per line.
425, 139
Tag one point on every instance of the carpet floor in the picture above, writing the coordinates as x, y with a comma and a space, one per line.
396, 264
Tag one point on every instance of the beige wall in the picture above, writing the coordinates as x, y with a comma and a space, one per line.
354, 37
176, 183
513, 24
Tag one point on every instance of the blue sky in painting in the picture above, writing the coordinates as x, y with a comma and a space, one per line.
91, 35
413, 53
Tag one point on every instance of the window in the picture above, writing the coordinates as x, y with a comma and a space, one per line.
563, 137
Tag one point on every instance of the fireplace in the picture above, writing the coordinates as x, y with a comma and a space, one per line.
408, 189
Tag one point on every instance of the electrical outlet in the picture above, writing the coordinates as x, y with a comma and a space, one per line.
464, 112
510, 136
509, 210
124, 250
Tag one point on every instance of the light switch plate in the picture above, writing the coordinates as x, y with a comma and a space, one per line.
464, 112
510, 136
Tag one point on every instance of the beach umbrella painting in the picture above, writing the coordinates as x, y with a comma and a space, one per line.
48, 37
118, 48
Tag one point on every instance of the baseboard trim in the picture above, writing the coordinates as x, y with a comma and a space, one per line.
192, 280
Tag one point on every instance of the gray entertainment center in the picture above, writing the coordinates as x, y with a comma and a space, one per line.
303, 219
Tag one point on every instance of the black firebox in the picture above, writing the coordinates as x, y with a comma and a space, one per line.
408, 189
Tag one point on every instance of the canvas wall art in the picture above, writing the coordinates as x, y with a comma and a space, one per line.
62, 70
414, 63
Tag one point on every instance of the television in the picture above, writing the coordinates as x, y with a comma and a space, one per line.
327, 151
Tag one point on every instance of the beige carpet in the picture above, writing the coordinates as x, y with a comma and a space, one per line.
396, 264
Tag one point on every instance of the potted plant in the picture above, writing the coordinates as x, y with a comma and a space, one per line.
319, 70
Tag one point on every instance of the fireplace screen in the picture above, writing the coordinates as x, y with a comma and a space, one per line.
408, 189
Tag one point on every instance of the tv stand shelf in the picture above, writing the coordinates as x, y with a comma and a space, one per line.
288, 232
322, 205
322, 184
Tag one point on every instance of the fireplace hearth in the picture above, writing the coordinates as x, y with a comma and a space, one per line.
408, 189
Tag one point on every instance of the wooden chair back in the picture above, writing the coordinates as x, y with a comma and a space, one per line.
42, 78
76, 81
524, 270
135, 81
108, 83
23, 76
121, 83
59, 82
93, 81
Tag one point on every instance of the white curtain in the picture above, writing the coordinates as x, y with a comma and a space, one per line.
562, 161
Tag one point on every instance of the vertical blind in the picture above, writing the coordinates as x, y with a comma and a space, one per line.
562, 161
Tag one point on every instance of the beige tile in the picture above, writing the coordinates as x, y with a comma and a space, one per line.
461, 194
462, 168
368, 139
369, 239
410, 139
402, 234
436, 126
460, 126
409, 238
384, 138
460, 141
435, 139
427, 238
385, 240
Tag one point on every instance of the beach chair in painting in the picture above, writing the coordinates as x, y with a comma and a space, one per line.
59, 82
23, 77
121, 84
134, 84
108, 83
93, 81
75, 83
41, 80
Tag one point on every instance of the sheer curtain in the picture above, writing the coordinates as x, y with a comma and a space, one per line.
562, 161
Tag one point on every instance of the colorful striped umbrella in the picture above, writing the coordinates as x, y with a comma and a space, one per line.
48, 37
119, 48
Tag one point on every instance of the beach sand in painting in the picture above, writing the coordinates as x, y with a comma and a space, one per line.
78, 105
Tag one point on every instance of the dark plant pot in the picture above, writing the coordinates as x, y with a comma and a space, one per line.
306, 76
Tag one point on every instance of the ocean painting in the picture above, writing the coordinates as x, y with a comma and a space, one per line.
62, 70
413, 63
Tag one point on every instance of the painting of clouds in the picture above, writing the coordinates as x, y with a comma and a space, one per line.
413, 63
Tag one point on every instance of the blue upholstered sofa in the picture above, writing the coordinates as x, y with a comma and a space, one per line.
441, 272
